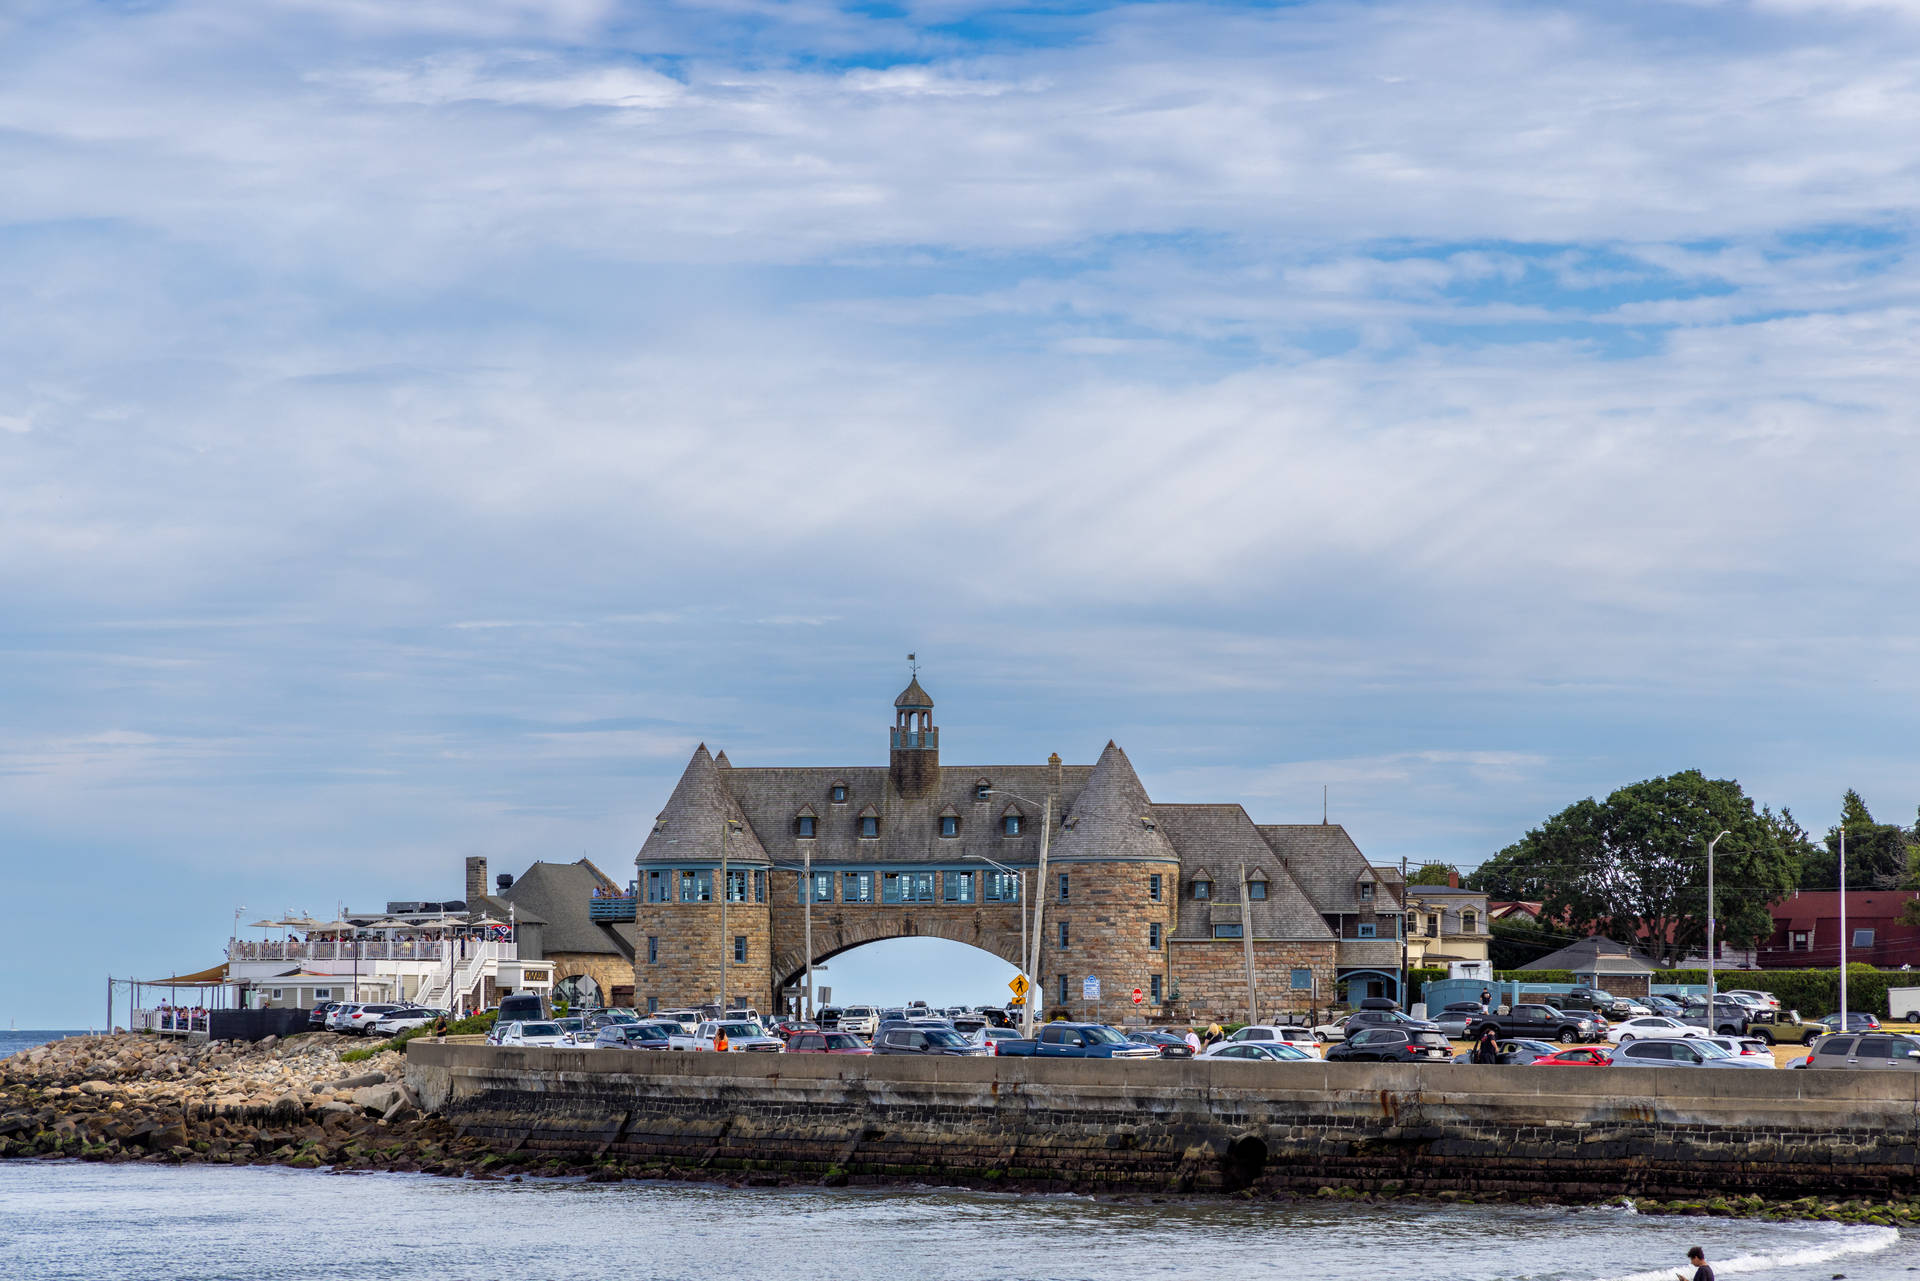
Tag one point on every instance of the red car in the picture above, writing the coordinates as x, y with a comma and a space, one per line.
1576, 1056
827, 1043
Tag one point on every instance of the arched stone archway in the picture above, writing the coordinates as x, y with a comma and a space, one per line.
834, 934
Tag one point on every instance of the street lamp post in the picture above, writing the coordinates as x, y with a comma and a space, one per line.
1020, 911
1039, 900
726, 892
1712, 990
1841, 1026
807, 913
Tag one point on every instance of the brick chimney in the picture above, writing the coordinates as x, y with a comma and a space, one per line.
1453, 878
476, 879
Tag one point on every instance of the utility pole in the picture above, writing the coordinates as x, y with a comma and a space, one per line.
1406, 974
1712, 938
1842, 1025
1039, 906
807, 853
1246, 943
726, 890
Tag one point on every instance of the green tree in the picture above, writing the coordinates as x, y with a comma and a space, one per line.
1877, 853
1516, 943
1430, 874
1512, 874
1636, 865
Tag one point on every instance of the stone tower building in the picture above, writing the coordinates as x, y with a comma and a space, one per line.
1157, 898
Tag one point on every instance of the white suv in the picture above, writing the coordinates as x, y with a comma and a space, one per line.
361, 1021
863, 1020
1299, 1037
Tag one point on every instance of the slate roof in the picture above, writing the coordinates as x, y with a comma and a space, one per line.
496, 907
1223, 838
1111, 818
559, 895
1593, 955
1328, 866
915, 697
690, 827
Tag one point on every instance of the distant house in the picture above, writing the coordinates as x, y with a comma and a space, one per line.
1446, 923
1518, 911
549, 905
1806, 930
1602, 963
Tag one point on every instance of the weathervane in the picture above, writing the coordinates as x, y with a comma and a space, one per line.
913, 667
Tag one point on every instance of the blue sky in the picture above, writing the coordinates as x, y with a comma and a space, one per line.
420, 425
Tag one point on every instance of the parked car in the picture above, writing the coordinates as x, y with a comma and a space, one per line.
535, 1033
1297, 1036
1750, 1047
1664, 1005
1543, 1022
993, 1036
1600, 1001
337, 1019
827, 1016
820, 1041
1332, 1029
364, 1017
902, 1037
1260, 1051
1776, 1028
403, 1021
1575, 1056
1166, 1044
1856, 1022
1077, 1041
630, 1036
1693, 1053
522, 1007
1889, 1051
1760, 1000
317, 1017
1392, 1045
743, 1037
1386, 1018
861, 1019
1453, 1021
1654, 1027
1730, 1017
1519, 1052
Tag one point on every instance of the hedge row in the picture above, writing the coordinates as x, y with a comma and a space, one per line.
1814, 993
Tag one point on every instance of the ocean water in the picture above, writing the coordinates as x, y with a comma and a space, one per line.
62, 1220
12, 1041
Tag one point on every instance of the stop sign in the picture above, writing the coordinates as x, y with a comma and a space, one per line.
1138, 996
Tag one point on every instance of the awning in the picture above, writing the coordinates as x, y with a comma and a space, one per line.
213, 976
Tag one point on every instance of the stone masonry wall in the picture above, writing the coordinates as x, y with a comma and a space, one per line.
1109, 916
1165, 1125
691, 950
1213, 977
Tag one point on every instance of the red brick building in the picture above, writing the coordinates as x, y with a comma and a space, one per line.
1806, 930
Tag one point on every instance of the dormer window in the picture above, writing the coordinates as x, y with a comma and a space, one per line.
949, 825
1010, 824
838, 793
1257, 889
805, 824
983, 790
869, 823
1202, 888
1366, 891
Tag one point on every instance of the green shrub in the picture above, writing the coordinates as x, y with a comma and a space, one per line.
472, 1025
1814, 993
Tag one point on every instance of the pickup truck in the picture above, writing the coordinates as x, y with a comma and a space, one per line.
1600, 1001
1539, 1023
1730, 1018
1076, 1041
742, 1038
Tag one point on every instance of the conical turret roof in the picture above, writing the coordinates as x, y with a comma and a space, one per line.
915, 697
690, 826
1112, 816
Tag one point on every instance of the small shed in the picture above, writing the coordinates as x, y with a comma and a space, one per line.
1602, 963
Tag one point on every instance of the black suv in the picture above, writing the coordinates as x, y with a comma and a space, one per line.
1363, 1019
905, 1038
1391, 1045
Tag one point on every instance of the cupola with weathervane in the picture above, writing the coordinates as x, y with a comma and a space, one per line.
916, 739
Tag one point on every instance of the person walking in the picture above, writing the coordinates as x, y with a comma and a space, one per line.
1486, 997
1701, 1271
1487, 1050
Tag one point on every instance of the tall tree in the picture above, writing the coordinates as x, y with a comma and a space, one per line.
1635, 866
1877, 856
1512, 874
1431, 874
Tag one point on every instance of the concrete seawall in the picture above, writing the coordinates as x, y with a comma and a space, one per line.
1173, 1126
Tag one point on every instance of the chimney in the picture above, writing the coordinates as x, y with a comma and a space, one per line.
1453, 877
504, 881
476, 880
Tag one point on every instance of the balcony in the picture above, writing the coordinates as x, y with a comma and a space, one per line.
293, 950
909, 740
617, 908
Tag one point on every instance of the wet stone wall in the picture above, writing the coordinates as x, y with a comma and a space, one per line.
1167, 1126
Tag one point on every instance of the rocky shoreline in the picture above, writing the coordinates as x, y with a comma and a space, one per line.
294, 1103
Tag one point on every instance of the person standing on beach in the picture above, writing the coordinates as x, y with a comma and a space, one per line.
1701, 1271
